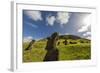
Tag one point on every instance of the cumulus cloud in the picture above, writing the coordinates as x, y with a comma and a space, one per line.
64, 33
88, 37
87, 34
34, 15
63, 17
50, 20
86, 24
27, 39
85, 28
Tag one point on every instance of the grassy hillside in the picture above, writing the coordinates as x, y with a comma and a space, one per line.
79, 50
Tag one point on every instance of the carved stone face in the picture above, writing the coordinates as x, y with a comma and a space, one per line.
51, 43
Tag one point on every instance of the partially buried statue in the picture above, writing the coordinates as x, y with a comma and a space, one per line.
30, 45
65, 42
52, 51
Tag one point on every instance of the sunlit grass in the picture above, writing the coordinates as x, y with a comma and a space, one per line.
78, 51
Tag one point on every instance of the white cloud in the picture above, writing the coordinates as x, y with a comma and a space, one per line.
83, 28
28, 39
35, 15
89, 37
87, 34
50, 20
86, 27
63, 17
32, 25
64, 34
86, 24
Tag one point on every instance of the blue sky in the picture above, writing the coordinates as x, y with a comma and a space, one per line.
41, 24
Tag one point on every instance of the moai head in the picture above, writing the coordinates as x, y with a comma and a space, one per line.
58, 43
30, 45
32, 42
52, 40
65, 42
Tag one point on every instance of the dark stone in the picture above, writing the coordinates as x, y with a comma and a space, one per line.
52, 55
52, 52
73, 42
65, 42
58, 43
30, 44
52, 40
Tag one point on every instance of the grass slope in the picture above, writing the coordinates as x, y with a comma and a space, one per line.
79, 51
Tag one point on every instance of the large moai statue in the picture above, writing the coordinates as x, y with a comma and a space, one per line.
30, 45
52, 51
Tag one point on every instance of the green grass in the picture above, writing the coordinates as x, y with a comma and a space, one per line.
79, 51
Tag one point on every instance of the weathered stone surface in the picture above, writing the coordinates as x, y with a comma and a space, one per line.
65, 42
58, 43
30, 45
52, 40
52, 52
52, 55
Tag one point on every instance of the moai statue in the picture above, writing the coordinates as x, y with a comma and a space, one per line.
58, 43
30, 45
29, 48
65, 42
72, 42
52, 52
